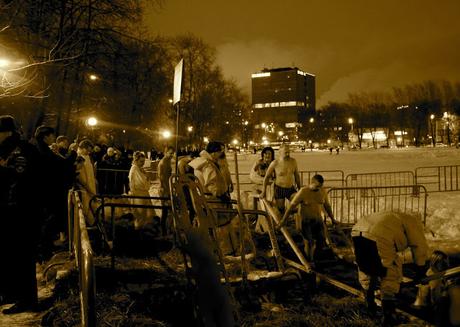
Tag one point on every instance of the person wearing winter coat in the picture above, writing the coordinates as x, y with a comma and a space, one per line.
207, 170
379, 240
139, 185
86, 179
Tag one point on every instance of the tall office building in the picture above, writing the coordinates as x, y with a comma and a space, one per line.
282, 101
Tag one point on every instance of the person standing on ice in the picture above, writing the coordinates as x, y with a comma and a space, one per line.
313, 201
287, 177
378, 241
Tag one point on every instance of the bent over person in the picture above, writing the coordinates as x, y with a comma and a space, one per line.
378, 241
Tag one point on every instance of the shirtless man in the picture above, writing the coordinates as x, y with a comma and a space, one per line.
313, 201
287, 177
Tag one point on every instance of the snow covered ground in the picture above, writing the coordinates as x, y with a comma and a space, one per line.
443, 208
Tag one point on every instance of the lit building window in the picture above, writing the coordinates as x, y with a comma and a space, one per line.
303, 73
257, 75
288, 104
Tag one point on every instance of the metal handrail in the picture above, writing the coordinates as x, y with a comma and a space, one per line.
113, 205
84, 261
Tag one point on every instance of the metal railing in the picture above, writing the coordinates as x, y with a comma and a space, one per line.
332, 178
349, 204
388, 178
107, 201
81, 248
438, 178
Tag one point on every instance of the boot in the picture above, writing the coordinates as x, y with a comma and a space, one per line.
370, 302
389, 313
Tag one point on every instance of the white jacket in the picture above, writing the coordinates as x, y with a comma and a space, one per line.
209, 174
394, 232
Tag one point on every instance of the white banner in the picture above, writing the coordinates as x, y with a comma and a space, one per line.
178, 70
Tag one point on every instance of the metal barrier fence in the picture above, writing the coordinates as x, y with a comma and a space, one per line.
332, 178
112, 202
438, 178
388, 178
349, 204
83, 252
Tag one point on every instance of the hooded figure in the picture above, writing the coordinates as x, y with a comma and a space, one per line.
378, 241
208, 172
212, 178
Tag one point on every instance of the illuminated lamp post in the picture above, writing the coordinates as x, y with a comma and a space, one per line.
446, 117
166, 135
189, 131
350, 134
93, 77
92, 123
433, 136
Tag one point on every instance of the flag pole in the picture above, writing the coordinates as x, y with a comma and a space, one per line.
177, 135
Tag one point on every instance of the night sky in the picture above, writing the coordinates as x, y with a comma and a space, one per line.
350, 45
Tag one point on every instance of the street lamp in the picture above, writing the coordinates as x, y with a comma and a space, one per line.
92, 122
350, 134
446, 117
93, 77
433, 136
350, 121
4, 62
166, 134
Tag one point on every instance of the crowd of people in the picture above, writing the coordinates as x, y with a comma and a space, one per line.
36, 175
35, 178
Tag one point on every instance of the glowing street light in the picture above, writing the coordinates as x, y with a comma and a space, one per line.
312, 120
433, 134
190, 129
263, 125
280, 133
205, 139
93, 77
4, 62
166, 134
235, 142
92, 121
